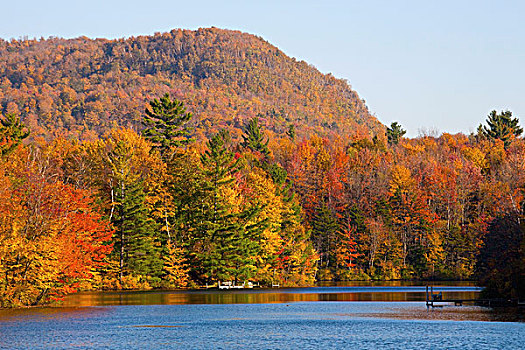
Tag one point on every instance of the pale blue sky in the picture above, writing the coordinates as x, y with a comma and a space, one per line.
426, 64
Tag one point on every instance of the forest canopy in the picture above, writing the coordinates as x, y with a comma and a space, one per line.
191, 157
82, 87
119, 212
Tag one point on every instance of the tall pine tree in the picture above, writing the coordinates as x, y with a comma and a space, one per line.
501, 126
138, 244
227, 236
166, 124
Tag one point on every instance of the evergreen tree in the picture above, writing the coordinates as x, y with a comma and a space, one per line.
291, 132
219, 165
136, 241
226, 241
394, 133
166, 124
138, 244
324, 231
237, 245
501, 126
12, 132
500, 267
253, 138
166, 127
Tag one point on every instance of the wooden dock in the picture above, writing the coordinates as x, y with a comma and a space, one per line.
233, 285
431, 299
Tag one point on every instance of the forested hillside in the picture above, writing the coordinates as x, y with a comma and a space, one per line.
161, 210
82, 88
254, 168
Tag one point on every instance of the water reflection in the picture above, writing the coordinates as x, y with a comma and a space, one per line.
306, 325
265, 296
338, 317
47, 314
395, 283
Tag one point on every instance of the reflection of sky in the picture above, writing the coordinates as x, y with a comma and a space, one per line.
320, 325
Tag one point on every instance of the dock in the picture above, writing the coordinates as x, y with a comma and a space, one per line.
431, 299
233, 285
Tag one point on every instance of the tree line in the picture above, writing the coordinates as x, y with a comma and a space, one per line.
158, 209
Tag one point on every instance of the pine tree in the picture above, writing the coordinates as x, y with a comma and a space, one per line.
135, 236
12, 132
226, 240
324, 231
144, 252
394, 133
166, 124
166, 127
501, 126
219, 164
253, 138
237, 243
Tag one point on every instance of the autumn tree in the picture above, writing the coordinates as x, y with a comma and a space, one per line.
51, 235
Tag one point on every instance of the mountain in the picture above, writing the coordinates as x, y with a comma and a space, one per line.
83, 87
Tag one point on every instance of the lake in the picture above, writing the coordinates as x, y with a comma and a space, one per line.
326, 317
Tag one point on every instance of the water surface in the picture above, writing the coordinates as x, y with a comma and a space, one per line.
281, 295
306, 318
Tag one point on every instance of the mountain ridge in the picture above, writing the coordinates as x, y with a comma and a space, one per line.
83, 87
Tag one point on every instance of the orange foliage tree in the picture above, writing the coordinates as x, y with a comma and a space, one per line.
50, 237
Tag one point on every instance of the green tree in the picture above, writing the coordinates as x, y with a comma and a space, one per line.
394, 133
136, 238
12, 132
291, 132
166, 127
500, 266
254, 139
227, 236
219, 164
501, 126
324, 232
138, 245
166, 123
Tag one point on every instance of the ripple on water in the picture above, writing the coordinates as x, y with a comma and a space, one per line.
301, 324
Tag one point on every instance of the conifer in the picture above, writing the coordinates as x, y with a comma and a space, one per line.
501, 126
12, 132
254, 139
166, 124
394, 133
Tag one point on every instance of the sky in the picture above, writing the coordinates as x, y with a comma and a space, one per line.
432, 66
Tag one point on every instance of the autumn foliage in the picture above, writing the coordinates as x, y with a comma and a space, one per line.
50, 237
83, 87
278, 175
